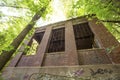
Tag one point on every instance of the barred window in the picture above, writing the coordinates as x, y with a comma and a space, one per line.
84, 36
57, 42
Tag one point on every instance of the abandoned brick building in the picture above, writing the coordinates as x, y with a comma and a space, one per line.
67, 47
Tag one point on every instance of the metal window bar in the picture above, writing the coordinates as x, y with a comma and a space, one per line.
83, 35
57, 42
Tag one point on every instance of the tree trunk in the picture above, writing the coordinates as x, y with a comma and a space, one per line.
6, 55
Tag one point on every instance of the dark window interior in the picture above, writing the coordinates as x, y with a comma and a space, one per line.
84, 36
38, 36
57, 42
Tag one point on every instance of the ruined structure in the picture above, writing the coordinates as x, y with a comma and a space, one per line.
75, 49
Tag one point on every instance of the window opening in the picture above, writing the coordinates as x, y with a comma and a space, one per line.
34, 43
57, 42
38, 36
84, 37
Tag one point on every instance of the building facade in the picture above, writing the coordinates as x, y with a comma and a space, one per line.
74, 47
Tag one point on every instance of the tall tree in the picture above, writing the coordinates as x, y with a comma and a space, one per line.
6, 55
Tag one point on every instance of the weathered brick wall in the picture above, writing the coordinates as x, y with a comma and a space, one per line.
93, 57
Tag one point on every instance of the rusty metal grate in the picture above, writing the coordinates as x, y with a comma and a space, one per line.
83, 35
38, 36
57, 42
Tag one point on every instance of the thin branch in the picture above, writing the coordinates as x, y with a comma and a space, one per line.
115, 11
11, 6
116, 30
118, 25
11, 16
111, 21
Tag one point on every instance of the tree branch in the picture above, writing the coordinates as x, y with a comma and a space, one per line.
111, 21
11, 6
115, 11
118, 25
116, 30
11, 16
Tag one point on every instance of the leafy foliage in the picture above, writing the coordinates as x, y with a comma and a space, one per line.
8, 34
